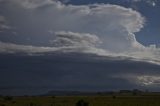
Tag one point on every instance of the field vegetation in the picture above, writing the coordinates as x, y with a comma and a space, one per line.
99, 100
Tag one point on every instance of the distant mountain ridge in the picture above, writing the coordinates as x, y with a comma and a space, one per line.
69, 93
103, 93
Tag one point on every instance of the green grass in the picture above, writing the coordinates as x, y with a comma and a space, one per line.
92, 100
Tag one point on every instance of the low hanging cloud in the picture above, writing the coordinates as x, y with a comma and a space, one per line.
149, 80
102, 29
141, 79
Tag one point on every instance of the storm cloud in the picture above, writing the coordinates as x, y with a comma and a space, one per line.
108, 22
74, 71
50, 43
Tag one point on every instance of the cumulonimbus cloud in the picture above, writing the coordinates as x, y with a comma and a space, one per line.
83, 26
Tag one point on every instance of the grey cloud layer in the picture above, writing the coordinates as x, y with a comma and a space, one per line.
63, 42
75, 71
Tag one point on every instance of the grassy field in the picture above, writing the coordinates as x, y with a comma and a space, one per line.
72, 100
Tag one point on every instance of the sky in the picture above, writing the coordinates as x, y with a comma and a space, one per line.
90, 45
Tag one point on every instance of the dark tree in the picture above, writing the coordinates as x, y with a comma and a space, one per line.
114, 97
31, 104
82, 103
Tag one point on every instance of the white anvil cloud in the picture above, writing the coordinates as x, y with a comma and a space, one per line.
103, 29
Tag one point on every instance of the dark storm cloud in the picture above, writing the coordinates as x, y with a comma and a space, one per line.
72, 71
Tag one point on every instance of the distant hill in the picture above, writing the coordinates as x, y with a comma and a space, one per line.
69, 93
78, 93
105, 93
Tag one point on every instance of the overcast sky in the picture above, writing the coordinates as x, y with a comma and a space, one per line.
79, 45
